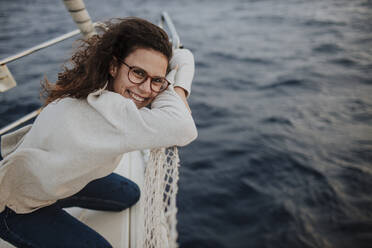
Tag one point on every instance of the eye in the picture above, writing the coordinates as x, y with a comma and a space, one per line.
139, 73
158, 80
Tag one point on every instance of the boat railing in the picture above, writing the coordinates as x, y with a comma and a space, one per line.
7, 80
175, 39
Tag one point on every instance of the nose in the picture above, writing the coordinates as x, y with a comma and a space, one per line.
145, 87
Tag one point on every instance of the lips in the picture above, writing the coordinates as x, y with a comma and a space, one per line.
136, 97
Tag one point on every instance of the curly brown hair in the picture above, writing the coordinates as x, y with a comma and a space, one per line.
88, 68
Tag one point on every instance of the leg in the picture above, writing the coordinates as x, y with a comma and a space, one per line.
48, 227
110, 193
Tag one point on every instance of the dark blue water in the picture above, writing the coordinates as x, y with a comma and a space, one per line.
282, 101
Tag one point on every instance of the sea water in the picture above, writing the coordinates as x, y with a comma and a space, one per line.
282, 101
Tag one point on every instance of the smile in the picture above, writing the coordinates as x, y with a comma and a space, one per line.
136, 97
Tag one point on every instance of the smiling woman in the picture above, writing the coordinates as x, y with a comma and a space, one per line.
95, 112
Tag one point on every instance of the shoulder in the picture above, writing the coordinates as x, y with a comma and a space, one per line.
67, 104
62, 111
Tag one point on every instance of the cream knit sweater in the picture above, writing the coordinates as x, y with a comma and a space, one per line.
73, 142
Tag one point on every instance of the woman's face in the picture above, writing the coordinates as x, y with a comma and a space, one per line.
153, 62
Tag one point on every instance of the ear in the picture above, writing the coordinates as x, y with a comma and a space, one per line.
113, 68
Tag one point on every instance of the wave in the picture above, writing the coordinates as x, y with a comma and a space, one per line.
345, 62
236, 83
323, 23
295, 84
328, 48
277, 120
227, 56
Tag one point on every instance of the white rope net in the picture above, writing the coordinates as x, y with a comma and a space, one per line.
160, 190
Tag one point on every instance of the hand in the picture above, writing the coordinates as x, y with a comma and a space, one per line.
179, 90
183, 59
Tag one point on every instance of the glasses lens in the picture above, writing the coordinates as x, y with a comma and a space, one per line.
158, 84
137, 75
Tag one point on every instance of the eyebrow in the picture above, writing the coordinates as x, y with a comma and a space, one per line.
147, 71
131, 66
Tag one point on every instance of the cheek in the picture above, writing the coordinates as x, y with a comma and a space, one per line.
119, 85
153, 95
115, 86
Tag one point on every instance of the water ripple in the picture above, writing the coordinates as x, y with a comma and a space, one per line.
345, 62
226, 57
277, 120
328, 48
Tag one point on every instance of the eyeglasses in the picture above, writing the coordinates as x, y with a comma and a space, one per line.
138, 75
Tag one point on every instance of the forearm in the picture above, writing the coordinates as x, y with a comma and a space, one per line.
182, 93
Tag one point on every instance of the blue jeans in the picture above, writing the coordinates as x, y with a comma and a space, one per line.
52, 227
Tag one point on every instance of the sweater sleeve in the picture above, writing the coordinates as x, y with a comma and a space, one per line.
167, 123
10, 141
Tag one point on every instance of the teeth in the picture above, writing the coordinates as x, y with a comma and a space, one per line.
136, 97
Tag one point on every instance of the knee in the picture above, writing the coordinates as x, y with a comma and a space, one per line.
135, 193
130, 194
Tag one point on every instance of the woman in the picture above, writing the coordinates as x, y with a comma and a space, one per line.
94, 113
